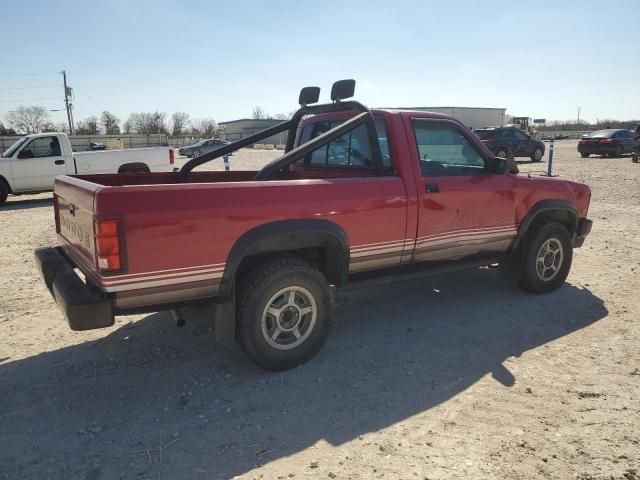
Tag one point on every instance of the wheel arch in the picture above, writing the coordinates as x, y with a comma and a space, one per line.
561, 211
135, 167
5, 182
322, 242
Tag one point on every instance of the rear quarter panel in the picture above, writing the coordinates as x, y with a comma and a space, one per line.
173, 226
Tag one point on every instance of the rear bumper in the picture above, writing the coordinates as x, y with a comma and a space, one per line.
597, 149
85, 307
584, 229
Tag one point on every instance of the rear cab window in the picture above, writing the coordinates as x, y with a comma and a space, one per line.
351, 150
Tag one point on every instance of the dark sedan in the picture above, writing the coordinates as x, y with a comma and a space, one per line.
203, 146
613, 142
511, 142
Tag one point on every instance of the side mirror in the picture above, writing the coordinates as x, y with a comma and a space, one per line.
26, 153
309, 95
343, 89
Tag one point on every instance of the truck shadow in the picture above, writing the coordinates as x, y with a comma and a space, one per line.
17, 203
397, 349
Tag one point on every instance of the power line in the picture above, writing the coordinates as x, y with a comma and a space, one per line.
27, 74
28, 88
31, 99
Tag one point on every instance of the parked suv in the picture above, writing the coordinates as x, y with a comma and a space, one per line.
505, 141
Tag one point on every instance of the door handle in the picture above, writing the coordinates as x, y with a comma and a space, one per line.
59, 162
432, 188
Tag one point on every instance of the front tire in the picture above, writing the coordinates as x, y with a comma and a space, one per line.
536, 156
284, 312
196, 153
585, 155
4, 192
547, 258
635, 158
502, 153
619, 150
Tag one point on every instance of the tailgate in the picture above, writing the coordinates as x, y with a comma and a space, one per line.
74, 210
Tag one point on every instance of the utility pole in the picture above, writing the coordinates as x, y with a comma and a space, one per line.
578, 117
67, 94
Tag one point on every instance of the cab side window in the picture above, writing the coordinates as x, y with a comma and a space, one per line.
445, 151
42, 147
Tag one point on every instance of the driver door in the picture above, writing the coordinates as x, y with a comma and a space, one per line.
523, 148
464, 210
37, 164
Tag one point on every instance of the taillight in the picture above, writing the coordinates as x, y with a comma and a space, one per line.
606, 140
172, 156
488, 140
582, 142
108, 245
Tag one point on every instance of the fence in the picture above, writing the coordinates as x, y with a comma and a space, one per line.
80, 143
563, 133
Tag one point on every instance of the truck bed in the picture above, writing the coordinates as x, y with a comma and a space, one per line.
170, 226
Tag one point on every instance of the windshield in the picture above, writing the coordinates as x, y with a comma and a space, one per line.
12, 149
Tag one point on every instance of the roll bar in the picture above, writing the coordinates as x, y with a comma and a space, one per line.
291, 155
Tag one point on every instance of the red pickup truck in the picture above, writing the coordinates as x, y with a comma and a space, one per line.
357, 193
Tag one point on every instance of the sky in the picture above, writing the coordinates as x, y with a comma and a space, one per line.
211, 59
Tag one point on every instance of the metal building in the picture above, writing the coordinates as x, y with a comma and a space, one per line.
237, 129
474, 117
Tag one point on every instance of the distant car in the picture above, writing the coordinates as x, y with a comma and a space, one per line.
613, 142
98, 146
506, 141
203, 146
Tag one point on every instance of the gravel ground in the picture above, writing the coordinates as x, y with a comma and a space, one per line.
456, 376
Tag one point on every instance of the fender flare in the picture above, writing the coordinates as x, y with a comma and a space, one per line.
544, 206
286, 235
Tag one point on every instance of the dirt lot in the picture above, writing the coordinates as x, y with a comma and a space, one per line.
458, 376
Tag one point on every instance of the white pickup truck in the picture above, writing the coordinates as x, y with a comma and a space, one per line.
31, 164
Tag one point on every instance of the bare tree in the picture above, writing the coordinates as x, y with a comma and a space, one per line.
61, 127
157, 122
146, 123
258, 113
204, 127
111, 123
179, 122
88, 126
28, 119
6, 131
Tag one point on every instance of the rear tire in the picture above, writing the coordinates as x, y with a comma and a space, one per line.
284, 312
635, 158
584, 155
536, 156
547, 258
4, 192
619, 150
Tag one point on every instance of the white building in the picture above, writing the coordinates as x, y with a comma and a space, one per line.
474, 117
